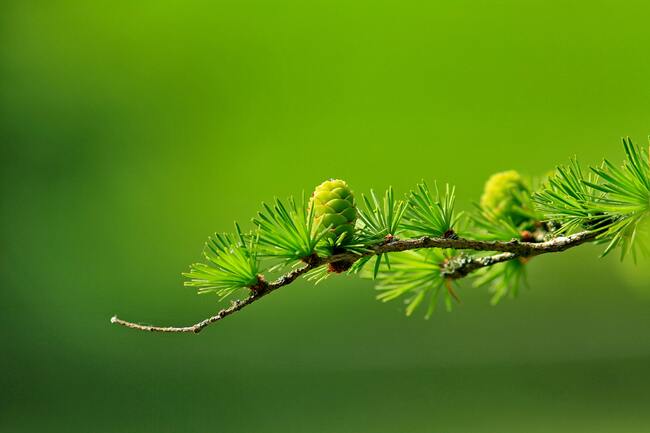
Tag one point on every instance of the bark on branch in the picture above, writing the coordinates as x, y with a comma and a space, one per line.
455, 269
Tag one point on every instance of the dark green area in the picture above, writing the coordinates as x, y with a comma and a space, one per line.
131, 131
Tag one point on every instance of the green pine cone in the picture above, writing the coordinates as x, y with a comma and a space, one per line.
500, 195
334, 207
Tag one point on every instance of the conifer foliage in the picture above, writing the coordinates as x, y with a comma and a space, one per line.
417, 247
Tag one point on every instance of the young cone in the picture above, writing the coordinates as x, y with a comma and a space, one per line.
334, 207
502, 195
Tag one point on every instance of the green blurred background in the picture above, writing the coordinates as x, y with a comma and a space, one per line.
131, 131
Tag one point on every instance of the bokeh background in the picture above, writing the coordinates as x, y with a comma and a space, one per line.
131, 131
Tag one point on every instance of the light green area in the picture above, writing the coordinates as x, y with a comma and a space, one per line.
501, 195
131, 131
335, 209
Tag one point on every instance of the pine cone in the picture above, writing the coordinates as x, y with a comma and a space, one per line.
500, 195
334, 206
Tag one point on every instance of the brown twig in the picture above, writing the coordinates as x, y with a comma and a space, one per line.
454, 269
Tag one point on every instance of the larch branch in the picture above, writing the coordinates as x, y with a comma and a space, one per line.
455, 269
